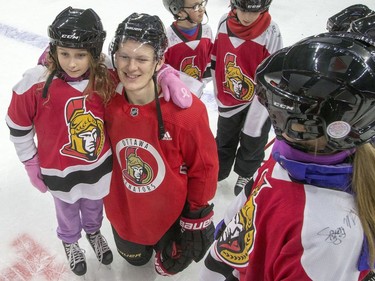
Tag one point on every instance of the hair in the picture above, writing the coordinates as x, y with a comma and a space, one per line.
363, 184
100, 79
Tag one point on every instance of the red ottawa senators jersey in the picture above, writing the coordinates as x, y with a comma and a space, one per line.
190, 54
72, 144
153, 178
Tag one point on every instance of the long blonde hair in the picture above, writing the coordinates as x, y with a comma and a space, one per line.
363, 184
100, 80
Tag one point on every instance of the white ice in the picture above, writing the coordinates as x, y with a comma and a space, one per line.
29, 248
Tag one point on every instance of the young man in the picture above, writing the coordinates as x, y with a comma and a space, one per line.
165, 163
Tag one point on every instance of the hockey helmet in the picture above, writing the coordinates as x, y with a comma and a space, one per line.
325, 83
173, 6
365, 26
251, 5
143, 28
342, 20
77, 28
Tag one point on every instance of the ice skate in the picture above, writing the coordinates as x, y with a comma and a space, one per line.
100, 246
76, 258
240, 184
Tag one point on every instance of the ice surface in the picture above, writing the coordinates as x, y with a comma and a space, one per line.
29, 248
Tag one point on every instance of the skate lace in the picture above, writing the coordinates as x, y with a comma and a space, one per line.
75, 254
242, 181
99, 244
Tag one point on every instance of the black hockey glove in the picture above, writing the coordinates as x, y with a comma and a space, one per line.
197, 232
171, 260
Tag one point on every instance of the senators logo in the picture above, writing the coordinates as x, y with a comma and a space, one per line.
237, 84
137, 170
236, 242
86, 133
142, 167
187, 66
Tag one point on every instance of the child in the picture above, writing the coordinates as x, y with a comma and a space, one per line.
165, 163
245, 37
73, 159
189, 41
309, 214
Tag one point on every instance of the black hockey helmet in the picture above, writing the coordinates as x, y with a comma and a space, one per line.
251, 5
77, 28
342, 20
324, 82
143, 28
365, 26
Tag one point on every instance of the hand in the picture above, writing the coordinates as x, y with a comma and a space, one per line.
32, 167
197, 232
171, 260
172, 86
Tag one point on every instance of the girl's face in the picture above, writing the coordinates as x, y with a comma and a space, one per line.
311, 145
136, 64
247, 18
75, 62
194, 9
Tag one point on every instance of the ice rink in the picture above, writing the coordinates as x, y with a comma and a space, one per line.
29, 247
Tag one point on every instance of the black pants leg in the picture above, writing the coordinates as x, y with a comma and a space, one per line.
227, 140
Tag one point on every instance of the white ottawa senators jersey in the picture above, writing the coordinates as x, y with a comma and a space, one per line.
190, 54
234, 62
290, 231
73, 148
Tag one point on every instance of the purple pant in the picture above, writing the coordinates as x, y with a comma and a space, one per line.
72, 218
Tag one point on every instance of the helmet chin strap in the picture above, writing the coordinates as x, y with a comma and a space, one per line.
190, 20
158, 108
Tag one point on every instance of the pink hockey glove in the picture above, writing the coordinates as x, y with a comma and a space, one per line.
32, 167
171, 85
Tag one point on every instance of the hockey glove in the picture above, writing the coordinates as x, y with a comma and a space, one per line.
171, 260
32, 167
172, 86
197, 232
